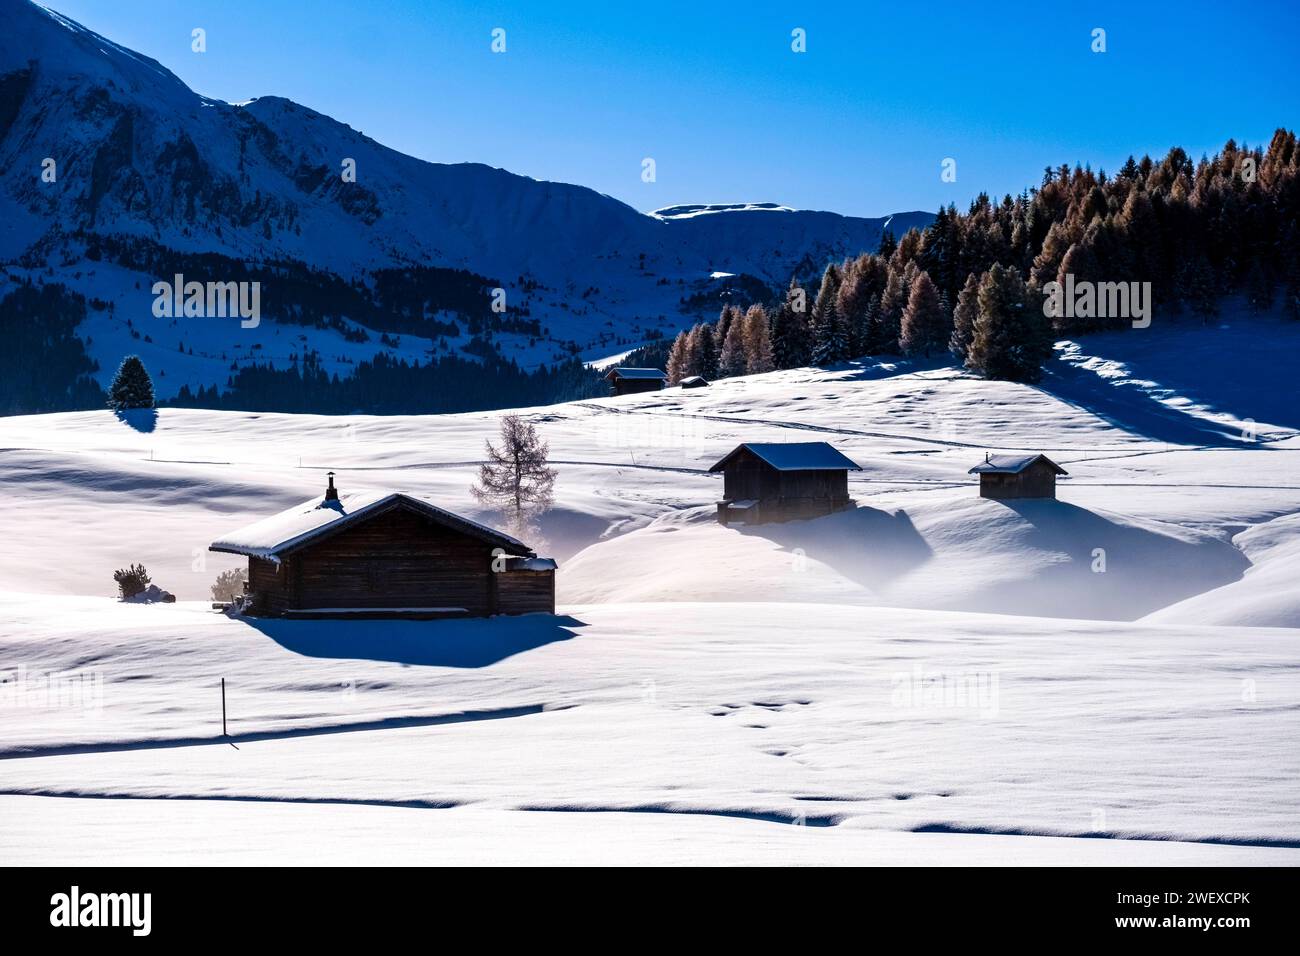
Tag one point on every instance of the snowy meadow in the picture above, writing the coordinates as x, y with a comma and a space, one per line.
930, 677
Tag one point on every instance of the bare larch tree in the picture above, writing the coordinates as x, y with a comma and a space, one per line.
516, 479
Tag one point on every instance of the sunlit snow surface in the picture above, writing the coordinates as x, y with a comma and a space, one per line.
929, 678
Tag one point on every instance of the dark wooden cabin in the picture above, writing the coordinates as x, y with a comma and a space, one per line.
694, 381
765, 482
386, 555
629, 381
1003, 477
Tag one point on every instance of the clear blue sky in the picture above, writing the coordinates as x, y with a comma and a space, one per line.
858, 124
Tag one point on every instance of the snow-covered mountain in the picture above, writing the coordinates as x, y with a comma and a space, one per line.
97, 140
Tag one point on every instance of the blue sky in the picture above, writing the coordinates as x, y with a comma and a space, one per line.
858, 124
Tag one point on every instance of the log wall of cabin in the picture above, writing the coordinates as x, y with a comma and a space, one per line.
827, 485
271, 586
749, 477
630, 386
397, 559
1036, 481
525, 592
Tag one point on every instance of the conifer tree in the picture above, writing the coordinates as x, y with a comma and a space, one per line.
677, 358
791, 337
758, 341
1080, 263
829, 345
889, 318
731, 361
1047, 264
938, 252
908, 248
728, 315
963, 318
852, 305
707, 361
693, 358
887, 244
925, 327
1013, 338
132, 387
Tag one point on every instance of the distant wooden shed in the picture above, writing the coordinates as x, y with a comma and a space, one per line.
694, 381
1017, 476
628, 381
386, 555
773, 481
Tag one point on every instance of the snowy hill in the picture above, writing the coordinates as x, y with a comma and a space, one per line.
1166, 475
139, 155
930, 678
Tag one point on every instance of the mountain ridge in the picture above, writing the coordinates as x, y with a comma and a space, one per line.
139, 156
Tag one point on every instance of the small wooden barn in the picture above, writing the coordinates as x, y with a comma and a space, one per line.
694, 381
771, 481
628, 381
386, 555
1017, 476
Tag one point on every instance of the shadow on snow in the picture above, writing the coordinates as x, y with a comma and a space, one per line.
460, 642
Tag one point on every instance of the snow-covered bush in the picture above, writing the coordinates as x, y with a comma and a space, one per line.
229, 585
153, 594
132, 580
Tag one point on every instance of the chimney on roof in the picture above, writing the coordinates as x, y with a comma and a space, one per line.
987, 459
331, 493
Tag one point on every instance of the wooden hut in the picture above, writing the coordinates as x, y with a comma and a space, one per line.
694, 381
386, 555
629, 381
769, 481
1017, 476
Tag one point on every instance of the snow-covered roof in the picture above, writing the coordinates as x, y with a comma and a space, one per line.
312, 519
795, 456
692, 381
636, 373
1012, 465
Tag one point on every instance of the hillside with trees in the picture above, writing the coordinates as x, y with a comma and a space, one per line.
974, 282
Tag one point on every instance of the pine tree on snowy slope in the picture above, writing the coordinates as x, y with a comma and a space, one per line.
1012, 336
938, 252
132, 387
829, 345
731, 361
677, 358
925, 325
889, 319
851, 304
705, 352
1080, 263
791, 336
758, 341
963, 318
728, 315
